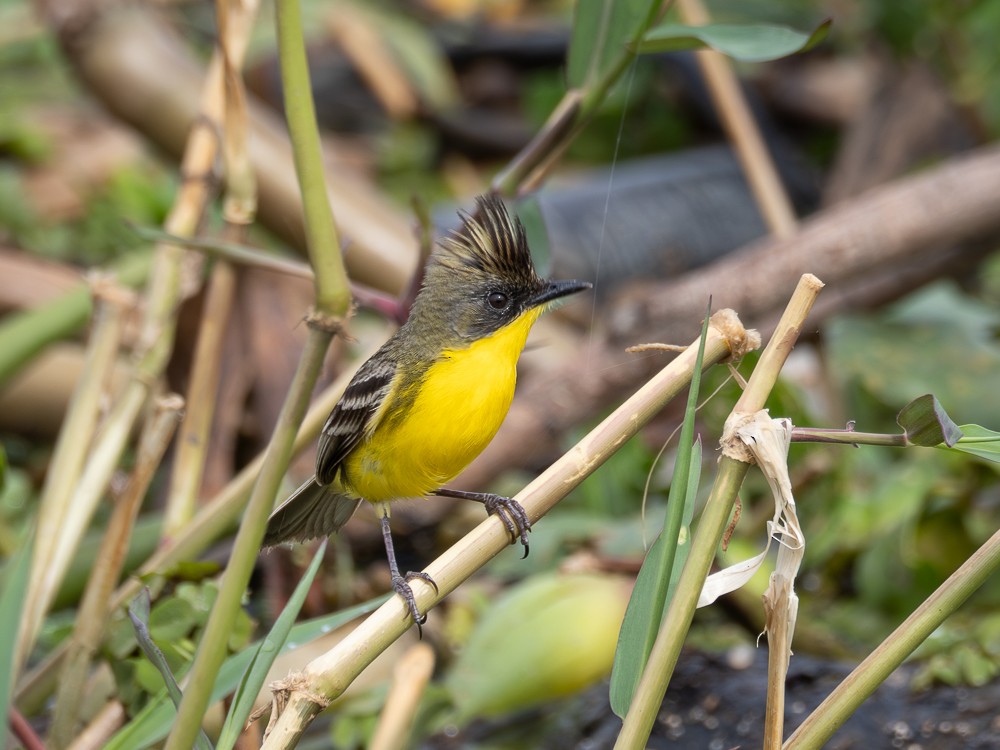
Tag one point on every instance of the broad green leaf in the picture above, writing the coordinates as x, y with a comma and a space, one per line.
13, 587
138, 613
153, 723
979, 442
603, 31
747, 42
652, 590
926, 423
264, 656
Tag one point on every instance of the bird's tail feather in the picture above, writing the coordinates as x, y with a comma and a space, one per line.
313, 510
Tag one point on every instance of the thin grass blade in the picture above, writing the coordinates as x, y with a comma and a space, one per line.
652, 587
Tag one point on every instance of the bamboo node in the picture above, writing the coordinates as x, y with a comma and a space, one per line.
732, 445
740, 340
333, 324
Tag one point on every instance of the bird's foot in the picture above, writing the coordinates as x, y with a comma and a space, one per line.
401, 585
513, 515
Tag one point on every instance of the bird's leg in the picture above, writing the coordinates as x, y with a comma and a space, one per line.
508, 510
401, 583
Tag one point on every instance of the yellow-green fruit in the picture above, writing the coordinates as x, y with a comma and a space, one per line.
545, 638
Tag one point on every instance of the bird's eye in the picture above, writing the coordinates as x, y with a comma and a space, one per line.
498, 300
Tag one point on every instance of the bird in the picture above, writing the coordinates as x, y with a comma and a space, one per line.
421, 408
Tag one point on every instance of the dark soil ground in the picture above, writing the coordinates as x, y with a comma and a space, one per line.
713, 706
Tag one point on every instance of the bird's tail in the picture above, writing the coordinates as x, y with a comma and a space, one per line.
312, 511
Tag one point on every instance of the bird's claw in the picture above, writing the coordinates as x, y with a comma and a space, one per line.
513, 515
401, 585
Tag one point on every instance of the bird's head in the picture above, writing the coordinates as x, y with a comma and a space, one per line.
484, 277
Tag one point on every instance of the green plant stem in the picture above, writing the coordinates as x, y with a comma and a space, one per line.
847, 437
233, 252
712, 524
213, 646
23, 335
820, 725
333, 295
94, 609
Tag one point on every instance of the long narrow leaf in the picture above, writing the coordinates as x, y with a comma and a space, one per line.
652, 587
13, 587
684, 536
138, 613
264, 656
153, 723
747, 42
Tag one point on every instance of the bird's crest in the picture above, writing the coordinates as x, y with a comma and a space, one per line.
490, 241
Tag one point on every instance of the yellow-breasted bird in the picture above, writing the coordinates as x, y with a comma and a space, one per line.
434, 395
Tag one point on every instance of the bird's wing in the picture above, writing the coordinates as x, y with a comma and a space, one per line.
352, 417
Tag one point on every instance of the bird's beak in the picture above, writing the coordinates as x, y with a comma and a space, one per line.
553, 290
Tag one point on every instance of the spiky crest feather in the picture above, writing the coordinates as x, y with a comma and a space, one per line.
490, 242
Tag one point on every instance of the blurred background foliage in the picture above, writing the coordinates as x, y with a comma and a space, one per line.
884, 526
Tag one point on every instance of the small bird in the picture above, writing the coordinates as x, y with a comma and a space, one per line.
434, 395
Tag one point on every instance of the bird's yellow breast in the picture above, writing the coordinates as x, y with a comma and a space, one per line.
459, 406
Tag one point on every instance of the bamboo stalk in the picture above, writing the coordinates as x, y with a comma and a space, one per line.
409, 679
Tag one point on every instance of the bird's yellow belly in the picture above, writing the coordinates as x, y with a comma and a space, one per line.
460, 405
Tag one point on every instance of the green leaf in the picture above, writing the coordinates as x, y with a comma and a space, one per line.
747, 42
926, 423
561, 624
653, 589
171, 619
980, 442
12, 592
138, 613
263, 657
153, 722
603, 31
